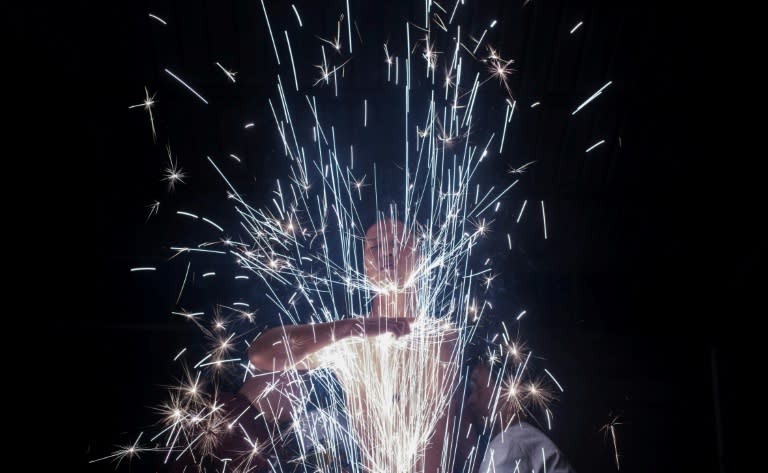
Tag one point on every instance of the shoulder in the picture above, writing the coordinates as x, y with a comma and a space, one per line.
523, 438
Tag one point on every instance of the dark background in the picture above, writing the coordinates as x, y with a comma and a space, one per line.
635, 300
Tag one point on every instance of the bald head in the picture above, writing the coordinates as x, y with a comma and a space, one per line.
389, 252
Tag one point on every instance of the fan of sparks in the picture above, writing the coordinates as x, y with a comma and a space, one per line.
304, 249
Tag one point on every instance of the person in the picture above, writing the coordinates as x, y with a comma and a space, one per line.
515, 446
394, 392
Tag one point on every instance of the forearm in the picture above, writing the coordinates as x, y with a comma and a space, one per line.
281, 348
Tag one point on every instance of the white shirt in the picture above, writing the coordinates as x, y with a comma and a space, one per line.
522, 448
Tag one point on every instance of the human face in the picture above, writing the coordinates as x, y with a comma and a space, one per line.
389, 253
480, 393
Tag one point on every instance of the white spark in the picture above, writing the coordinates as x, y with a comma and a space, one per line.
148, 103
186, 214
179, 354
230, 74
155, 17
269, 28
154, 208
595, 146
553, 379
521, 211
576, 27
186, 85
297, 15
593, 97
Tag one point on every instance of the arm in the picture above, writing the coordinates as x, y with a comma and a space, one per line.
281, 348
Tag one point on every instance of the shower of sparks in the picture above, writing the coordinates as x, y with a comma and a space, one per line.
610, 429
147, 104
535, 104
154, 208
594, 146
186, 85
143, 268
521, 169
155, 17
592, 97
230, 74
304, 247
173, 173
544, 219
297, 15
578, 25
249, 125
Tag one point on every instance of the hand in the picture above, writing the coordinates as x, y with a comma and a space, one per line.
373, 326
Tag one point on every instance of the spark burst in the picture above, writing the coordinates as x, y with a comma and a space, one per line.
148, 103
154, 208
309, 243
610, 429
173, 173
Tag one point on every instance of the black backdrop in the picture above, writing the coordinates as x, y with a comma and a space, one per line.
649, 272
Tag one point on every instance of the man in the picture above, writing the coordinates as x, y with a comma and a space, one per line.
397, 394
516, 446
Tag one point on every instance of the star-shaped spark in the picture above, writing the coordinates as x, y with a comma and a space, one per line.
126, 451
336, 43
448, 79
488, 280
430, 55
173, 172
520, 169
610, 429
359, 184
325, 73
482, 227
500, 69
147, 104
153, 209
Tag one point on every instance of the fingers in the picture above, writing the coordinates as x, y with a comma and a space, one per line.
398, 326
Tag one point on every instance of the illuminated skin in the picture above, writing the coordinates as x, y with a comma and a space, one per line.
389, 260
